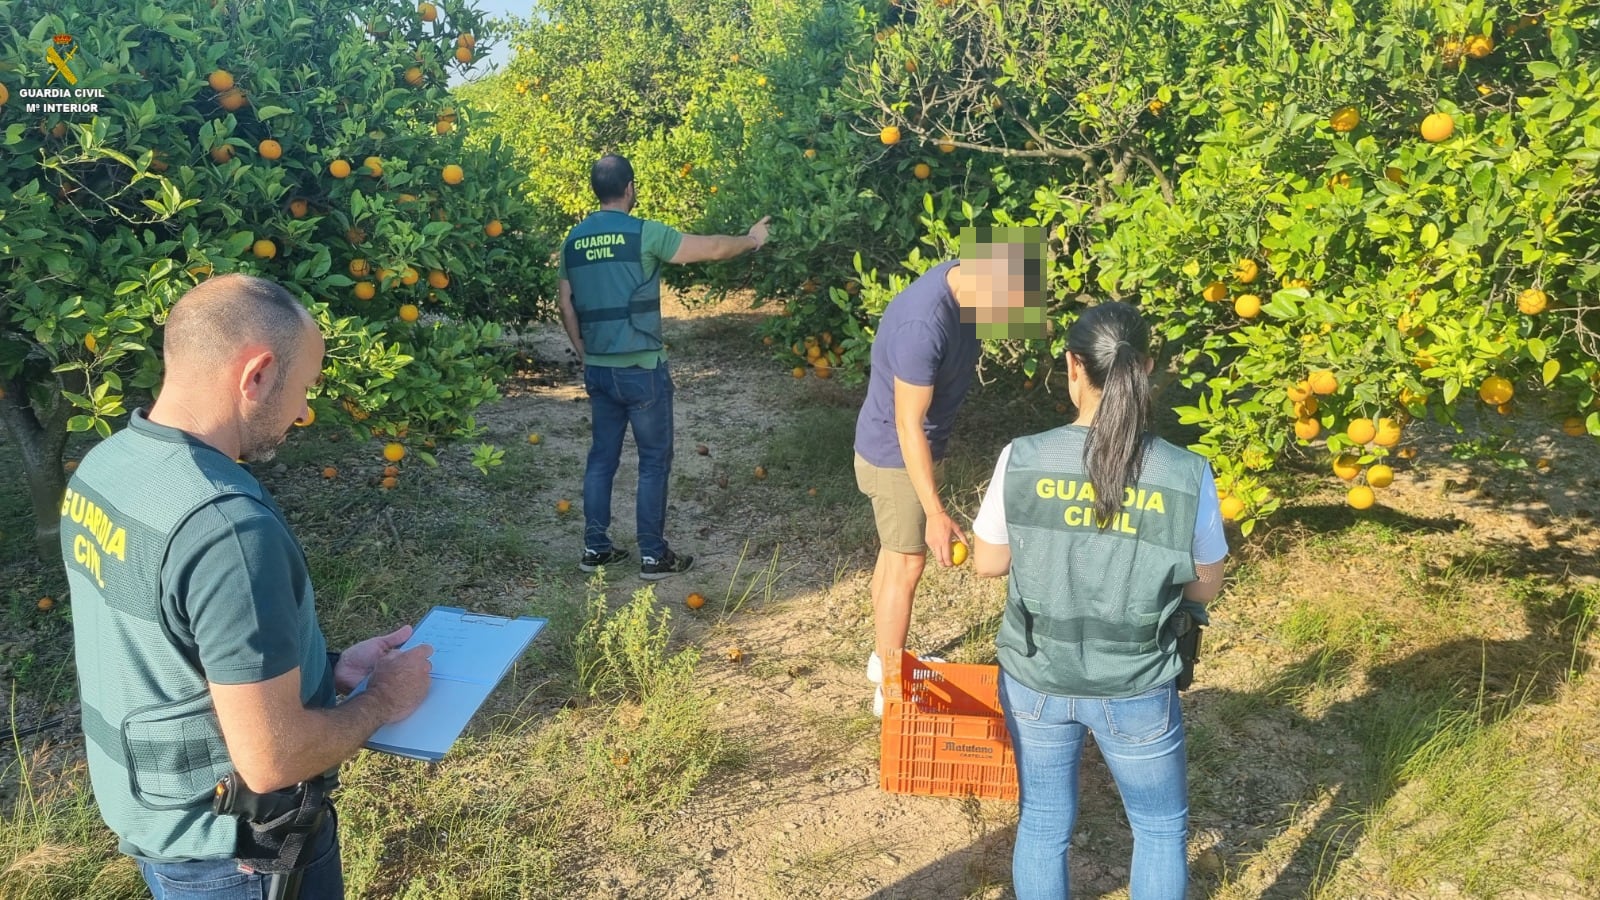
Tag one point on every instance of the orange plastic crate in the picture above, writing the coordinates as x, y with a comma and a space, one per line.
944, 734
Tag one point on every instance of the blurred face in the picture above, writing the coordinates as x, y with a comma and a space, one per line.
993, 282
267, 424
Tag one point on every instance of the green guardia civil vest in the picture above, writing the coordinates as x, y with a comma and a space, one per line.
154, 748
618, 303
1087, 608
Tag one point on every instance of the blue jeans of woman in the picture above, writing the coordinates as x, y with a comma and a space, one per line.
620, 397
1141, 740
220, 879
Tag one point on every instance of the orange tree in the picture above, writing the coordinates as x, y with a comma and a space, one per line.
315, 144
1340, 216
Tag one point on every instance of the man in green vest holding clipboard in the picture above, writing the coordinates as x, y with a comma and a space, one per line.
610, 297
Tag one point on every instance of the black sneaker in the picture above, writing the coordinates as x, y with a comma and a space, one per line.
654, 569
594, 559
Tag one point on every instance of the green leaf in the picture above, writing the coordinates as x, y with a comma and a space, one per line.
1552, 368
80, 423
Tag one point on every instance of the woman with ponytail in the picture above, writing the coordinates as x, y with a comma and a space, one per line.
1106, 531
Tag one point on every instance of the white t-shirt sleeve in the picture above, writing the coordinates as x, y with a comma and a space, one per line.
1210, 543
990, 525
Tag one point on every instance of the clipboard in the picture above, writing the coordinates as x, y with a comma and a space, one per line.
471, 654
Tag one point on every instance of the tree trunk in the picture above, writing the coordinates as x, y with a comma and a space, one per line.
40, 442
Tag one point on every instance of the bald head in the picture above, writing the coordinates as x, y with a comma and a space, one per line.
224, 316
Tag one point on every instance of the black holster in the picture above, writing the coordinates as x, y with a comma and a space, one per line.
276, 828
1187, 630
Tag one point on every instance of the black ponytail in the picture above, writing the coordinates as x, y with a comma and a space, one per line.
1111, 342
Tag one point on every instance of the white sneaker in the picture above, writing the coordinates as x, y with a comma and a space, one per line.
875, 668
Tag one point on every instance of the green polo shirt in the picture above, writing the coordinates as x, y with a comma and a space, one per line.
660, 242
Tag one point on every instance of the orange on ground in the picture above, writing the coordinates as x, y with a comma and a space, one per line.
394, 452
264, 249
798, 372
563, 506
1346, 467
761, 472
1388, 432
1307, 429
70, 466
494, 228
1323, 382
438, 279
365, 290
1248, 306
330, 473
339, 169
46, 603
1380, 475
1437, 126
452, 174
389, 482
1504, 409
694, 601
409, 312
391, 471
1362, 431
1573, 426
890, 135
1496, 391
1215, 291
269, 149
1360, 497
734, 654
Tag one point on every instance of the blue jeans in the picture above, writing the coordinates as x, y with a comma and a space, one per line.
220, 879
1141, 739
620, 397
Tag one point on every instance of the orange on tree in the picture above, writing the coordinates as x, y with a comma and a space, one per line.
364, 290
1307, 429
1345, 118
339, 169
922, 170
427, 12
373, 165
494, 228
269, 149
220, 80
1380, 476
1248, 306
1479, 45
1246, 271
452, 174
298, 207
355, 235
1360, 497
1362, 431
231, 99
464, 55
359, 267
413, 76
394, 452
946, 145
466, 39
1346, 466
1214, 291
222, 153
1388, 432
408, 312
1437, 126
810, 153
1232, 508
409, 275
1323, 382
1573, 426
1532, 301
438, 280
1496, 391
1300, 391
890, 135
264, 249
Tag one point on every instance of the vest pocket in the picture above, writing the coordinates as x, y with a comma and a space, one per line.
174, 751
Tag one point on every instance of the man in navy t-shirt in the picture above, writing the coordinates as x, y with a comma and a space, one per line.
924, 358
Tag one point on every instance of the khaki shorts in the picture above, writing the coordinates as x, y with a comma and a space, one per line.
902, 525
